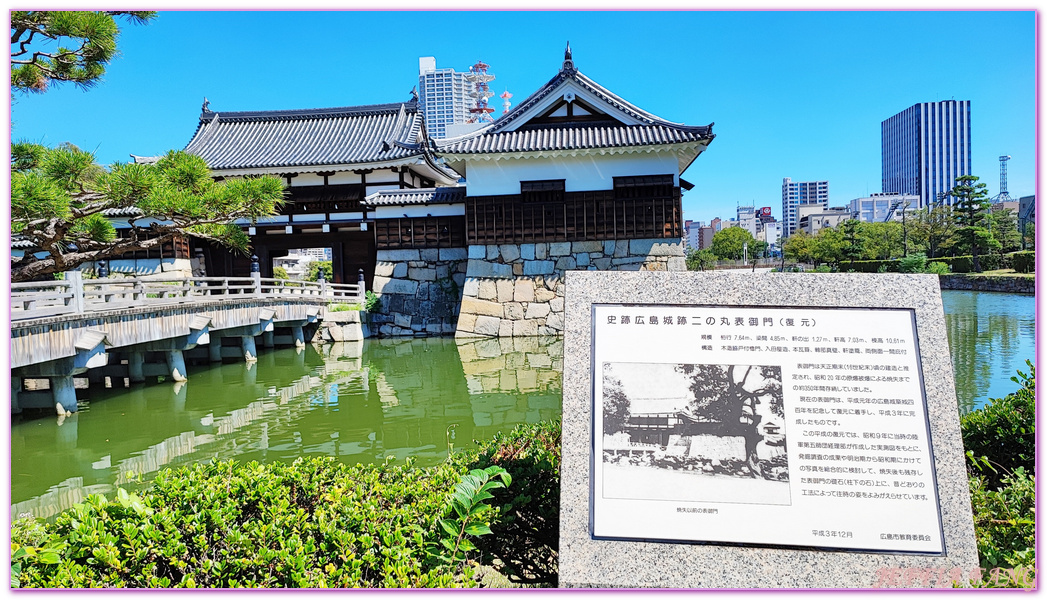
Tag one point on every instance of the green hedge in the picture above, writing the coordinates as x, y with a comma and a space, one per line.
871, 266
313, 523
1023, 262
1000, 440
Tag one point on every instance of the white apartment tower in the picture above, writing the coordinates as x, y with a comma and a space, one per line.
800, 193
925, 148
443, 95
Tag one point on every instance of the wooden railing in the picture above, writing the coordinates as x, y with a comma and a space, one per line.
74, 295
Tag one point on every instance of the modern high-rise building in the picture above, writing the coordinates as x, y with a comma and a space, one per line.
925, 148
443, 95
800, 193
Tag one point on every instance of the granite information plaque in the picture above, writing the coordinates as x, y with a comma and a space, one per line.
769, 430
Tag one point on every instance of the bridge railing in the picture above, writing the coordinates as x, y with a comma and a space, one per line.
74, 295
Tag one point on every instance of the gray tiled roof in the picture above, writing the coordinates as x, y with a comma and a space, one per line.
440, 195
576, 138
313, 137
21, 243
652, 130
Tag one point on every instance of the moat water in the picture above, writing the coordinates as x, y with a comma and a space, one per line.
368, 401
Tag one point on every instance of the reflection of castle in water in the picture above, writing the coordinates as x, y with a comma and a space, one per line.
358, 402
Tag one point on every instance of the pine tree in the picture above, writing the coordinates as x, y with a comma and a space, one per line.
971, 211
59, 197
85, 40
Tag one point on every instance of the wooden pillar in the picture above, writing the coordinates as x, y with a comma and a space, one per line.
267, 339
338, 263
214, 349
298, 335
176, 364
64, 393
248, 348
135, 360
16, 386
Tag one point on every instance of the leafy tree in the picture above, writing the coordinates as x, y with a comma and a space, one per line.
728, 243
59, 195
699, 260
799, 246
971, 211
1029, 236
881, 241
934, 229
314, 270
828, 246
57, 46
1004, 226
280, 273
615, 403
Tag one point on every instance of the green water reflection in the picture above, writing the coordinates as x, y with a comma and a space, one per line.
358, 402
990, 337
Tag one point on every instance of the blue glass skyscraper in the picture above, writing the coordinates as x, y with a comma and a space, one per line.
925, 148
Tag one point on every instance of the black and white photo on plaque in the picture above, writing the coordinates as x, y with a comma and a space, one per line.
694, 432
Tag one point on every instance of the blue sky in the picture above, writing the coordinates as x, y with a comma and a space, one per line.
793, 94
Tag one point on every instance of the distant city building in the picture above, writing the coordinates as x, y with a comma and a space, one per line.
716, 224
772, 234
765, 216
444, 97
1026, 213
814, 218
801, 193
705, 237
692, 231
877, 207
925, 148
747, 219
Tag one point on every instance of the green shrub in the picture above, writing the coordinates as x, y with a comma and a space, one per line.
372, 303
313, 523
914, 263
343, 307
1023, 262
1004, 431
938, 268
527, 531
1004, 521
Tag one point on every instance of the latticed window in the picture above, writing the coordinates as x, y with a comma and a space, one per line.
420, 232
637, 207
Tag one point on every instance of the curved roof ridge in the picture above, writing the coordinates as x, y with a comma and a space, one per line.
262, 115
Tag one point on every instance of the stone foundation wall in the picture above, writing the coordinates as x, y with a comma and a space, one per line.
518, 290
420, 291
988, 283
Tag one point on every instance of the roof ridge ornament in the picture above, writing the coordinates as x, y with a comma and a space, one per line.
568, 62
205, 108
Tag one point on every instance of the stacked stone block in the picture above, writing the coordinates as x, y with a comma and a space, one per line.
420, 291
518, 290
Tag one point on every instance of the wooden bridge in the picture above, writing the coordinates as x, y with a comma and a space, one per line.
134, 328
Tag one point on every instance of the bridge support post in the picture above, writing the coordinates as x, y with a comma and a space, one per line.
248, 347
267, 339
298, 335
16, 386
135, 361
214, 349
64, 393
176, 364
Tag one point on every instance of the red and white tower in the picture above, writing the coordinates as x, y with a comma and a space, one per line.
478, 77
505, 101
